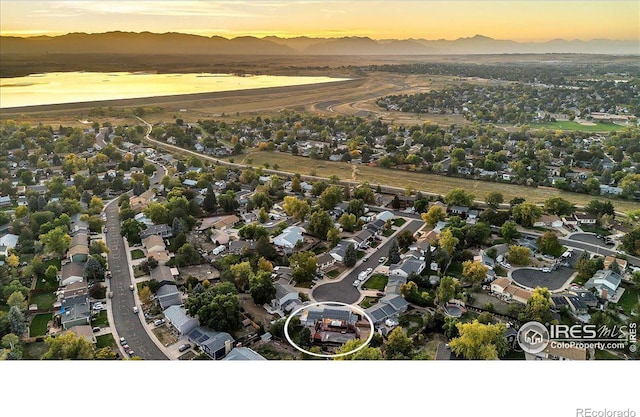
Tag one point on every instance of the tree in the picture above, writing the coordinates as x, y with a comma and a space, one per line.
365, 354
131, 229
447, 289
538, 307
296, 208
356, 207
518, 255
448, 243
93, 269
526, 213
56, 240
17, 322
549, 244
242, 274
459, 197
350, 255
348, 222
333, 236
631, 242
494, 199
95, 205
434, 215
398, 345
475, 271
253, 232
265, 265
394, 252
221, 312
228, 202
210, 202
145, 294
509, 231
51, 273
13, 261
12, 348
405, 239
319, 224
304, 266
330, 197
105, 353
187, 255
262, 288
480, 341
16, 299
559, 206
68, 346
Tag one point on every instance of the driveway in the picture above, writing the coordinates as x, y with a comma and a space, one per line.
343, 290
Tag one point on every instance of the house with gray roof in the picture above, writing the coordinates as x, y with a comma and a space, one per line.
215, 344
163, 275
389, 306
310, 315
71, 272
178, 318
289, 237
284, 294
168, 295
162, 230
243, 353
606, 283
407, 267
339, 251
325, 260
75, 311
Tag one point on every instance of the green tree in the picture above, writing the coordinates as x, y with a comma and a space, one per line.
549, 244
330, 197
459, 197
304, 266
399, 345
480, 341
296, 208
538, 307
262, 288
350, 255
518, 255
526, 213
131, 229
509, 231
559, 206
68, 346
187, 255
474, 271
319, 224
447, 289
348, 222
93, 269
405, 239
242, 275
12, 348
394, 252
16, 299
56, 240
17, 321
333, 236
631, 242
356, 207
365, 354
222, 313
494, 199
448, 243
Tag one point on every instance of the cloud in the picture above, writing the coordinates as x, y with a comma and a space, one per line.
155, 8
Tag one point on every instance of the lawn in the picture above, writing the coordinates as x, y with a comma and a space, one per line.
388, 232
44, 300
137, 254
603, 355
368, 302
411, 323
575, 126
596, 230
399, 222
44, 283
34, 351
333, 273
106, 340
629, 300
100, 319
38, 325
376, 282
360, 254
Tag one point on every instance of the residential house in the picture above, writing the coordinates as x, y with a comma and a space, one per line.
325, 261
385, 215
5, 201
178, 318
140, 202
71, 272
78, 226
511, 291
286, 295
310, 315
75, 311
339, 251
362, 239
153, 243
215, 344
407, 267
243, 353
238, 247
585, 218
388, 307
376, 227
79, 248
605, 282
75, 289
459, 211
84, 331
162, 230
8, 242
289, 237
163, 275
547, 220
168, 295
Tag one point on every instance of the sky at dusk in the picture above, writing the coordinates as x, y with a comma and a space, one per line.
520, 20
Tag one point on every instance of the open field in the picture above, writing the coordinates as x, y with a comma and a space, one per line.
575, 126
430, 183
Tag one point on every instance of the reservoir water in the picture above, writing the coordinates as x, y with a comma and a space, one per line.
72, 87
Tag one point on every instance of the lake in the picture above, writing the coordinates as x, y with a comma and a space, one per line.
72, 87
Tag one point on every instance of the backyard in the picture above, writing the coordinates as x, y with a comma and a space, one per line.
629, 299
376, 282
44, 301
38, 325
368, 302
34, 351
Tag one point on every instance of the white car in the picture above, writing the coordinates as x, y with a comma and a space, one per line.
369, 270
546, 269
135, 310
356, 283
506, 265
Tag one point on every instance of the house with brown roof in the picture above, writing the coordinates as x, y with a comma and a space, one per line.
153, 243
139, 203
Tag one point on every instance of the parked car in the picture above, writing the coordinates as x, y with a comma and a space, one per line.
369, 270
135, 310
546, 269
365, 259
130, 352
184, 347
123, 341
96, 329
382, 259
356, 283
158, 322
131, 287
380, 294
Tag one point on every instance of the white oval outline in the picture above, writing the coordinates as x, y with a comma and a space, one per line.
320, 355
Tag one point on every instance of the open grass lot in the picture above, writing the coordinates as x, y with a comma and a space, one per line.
101, 319
376, 282
34, 351
106, 340
575, 126
137, 254
427, 183
44, 300
38, 326
629, 299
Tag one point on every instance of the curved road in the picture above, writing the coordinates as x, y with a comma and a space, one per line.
343, 291
127, 324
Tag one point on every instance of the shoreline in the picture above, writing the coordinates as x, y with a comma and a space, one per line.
176, 98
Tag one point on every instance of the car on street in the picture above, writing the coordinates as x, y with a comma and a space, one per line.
135, 310
356, 283
365, 259
184, 347
123, 341
106, 230
505, 265
98, 307
546, 269
130, 352
382, 259
131, 287
369, 270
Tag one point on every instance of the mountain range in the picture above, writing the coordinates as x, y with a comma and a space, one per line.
179, 43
